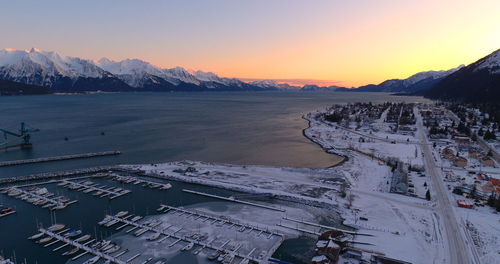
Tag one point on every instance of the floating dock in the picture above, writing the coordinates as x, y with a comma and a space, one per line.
232, 199
100, 191
59, 158
43, 200
150, 184
241, 227
84, 247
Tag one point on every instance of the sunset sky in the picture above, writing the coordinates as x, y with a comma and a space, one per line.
348, 43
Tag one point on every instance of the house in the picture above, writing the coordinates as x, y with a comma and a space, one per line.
465, 204
376, 259
487, 161
460, 162
320, 260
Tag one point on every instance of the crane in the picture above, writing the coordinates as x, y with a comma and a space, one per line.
24, 134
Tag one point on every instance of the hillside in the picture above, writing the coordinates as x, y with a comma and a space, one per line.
477, 82
16, 88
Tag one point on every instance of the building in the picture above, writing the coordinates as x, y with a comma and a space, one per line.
460, 162
320, 260
487, 161
465, 204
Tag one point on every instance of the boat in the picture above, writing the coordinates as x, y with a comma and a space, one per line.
104, 244
59, 207
166, 186
36, 236
242, 229
44, 240
105, 220
160, 262
214, 255
110, 223
82, 238
98, 193
228, 259
71, 251
140, 232
188, 247
245, 261
154, 236
55, 227
73, 233
221, 257
107, 247
121, 214
92, 260
112, 249
136, 218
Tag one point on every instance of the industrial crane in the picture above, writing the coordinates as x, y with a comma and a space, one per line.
24, 134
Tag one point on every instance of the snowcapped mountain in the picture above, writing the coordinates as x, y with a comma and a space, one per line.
477, 82
417, 82
50, 69
71, 74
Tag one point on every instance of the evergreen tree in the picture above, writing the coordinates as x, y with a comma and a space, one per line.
492, 200
428, 195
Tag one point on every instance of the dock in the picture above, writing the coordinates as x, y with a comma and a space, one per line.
143, 182
45, 201
101, 191
179, 237
232, 199
218, 219
321, 226
84, 247
59, 158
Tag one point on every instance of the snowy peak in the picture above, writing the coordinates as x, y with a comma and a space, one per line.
430, 74
490, 62
47, 63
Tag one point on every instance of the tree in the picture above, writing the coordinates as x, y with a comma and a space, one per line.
492, 200
425, 184
490, 154
428, 195
497, 205
473, 192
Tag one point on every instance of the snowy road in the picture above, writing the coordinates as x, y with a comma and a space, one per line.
458, 251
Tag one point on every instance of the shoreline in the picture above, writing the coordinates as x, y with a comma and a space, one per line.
344, 158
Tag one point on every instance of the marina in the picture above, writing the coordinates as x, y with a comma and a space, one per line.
40, 197
142, 182
190, 238
95, 189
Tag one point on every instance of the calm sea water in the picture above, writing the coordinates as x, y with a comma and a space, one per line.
242, 128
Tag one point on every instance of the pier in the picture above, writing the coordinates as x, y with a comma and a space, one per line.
88, 187
84, 247
59, 158
176, 236
321, 226
43, 200
232, 199
135, 180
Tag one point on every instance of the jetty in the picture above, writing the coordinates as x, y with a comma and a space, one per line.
88, 186
84, 247
59, 158
232, 199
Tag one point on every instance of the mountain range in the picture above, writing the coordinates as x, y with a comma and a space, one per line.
71, 74
475, 82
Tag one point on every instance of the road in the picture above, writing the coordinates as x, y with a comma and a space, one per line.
458, 251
